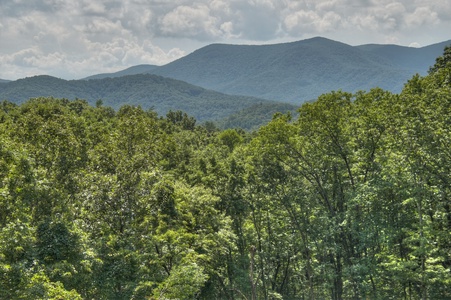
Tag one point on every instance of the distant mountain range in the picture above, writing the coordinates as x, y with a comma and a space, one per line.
299, 71
149, 91
265, 78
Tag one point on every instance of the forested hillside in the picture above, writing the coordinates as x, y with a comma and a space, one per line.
146, 90
348, 200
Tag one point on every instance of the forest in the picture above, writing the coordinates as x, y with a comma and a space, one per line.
348, 199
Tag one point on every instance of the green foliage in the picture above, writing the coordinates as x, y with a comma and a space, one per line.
55, 243
350, 199
182, 119
40, 287
230, 138
442, 62
255, 116
183, 283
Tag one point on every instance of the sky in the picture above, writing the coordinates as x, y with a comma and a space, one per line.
73, 39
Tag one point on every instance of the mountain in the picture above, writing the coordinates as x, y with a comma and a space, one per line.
202, 81
416, 59
4, 81
139, 69
147, 90
300, 71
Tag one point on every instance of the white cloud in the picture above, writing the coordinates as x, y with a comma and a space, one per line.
311, 22
257, 20
220, 6
72, 39
364, 22
190, 21
301, 20
326, 5
92, 7
422, 16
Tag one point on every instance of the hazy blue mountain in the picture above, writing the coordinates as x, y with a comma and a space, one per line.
4, 81
148, 91
300, 71
139, 69
416, 59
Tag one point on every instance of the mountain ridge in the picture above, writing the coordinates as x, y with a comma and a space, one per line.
300, 71
408, 57
228, 81
292, 72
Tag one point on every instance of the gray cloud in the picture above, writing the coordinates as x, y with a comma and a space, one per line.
73, 39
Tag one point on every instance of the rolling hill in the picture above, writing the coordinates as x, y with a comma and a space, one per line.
148, 91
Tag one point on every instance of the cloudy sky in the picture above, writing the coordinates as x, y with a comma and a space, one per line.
73, 39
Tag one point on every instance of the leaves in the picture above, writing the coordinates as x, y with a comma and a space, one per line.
348, 200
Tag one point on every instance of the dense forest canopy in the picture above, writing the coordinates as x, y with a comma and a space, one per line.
348, 200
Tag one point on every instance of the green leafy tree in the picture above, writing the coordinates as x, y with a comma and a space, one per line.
442, 62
